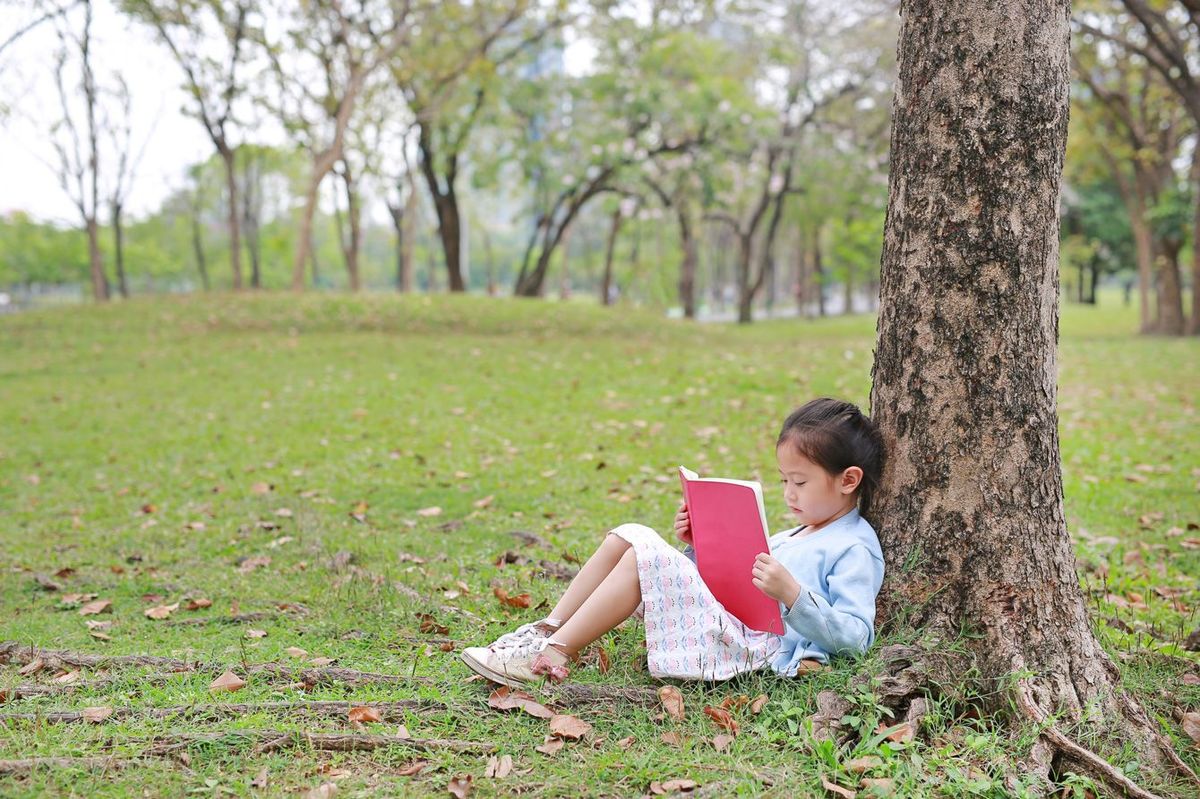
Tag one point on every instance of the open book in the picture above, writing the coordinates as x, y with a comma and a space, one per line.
729, 530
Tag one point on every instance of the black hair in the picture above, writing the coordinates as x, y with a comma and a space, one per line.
836, 435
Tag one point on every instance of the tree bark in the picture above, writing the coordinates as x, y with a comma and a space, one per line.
228, 157
970, 512
687, 267
818, 273
96, 261
614, 228
198, 245
119, 249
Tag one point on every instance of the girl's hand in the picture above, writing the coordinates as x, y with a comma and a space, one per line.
773, 579
683, 524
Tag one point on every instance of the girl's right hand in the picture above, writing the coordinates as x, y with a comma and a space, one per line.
683, 524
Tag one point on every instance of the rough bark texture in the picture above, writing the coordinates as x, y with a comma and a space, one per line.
964, 381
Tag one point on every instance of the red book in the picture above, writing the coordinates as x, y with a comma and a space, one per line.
729, 530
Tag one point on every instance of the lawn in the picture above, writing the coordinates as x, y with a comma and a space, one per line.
328, 496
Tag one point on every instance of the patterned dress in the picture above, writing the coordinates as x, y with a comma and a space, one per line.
689, 634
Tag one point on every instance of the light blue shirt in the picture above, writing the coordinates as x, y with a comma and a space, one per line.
840, 569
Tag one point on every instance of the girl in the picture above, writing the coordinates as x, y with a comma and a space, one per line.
825, 574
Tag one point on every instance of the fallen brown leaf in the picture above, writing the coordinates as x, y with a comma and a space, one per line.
198, 603
257, 562
721, 742
860, 764
67, 677
321, 661
569, 727
878, 786
721, 718
253, 633
550, 746
499, 767
679, 786
505, 698
46, 583
161, 611
227, 682
262, 780
362, 714
518, 601
672, 701
433, 510
758, 704
460, 786
625, 743
93, 608
833, 787
672, 738
1190, 722
411, 769
97, 714
296, 652
903, 732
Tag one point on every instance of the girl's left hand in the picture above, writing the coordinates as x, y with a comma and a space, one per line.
773, 579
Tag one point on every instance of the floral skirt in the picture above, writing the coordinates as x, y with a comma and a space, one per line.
689, 634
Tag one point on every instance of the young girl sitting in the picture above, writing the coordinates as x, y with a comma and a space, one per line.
825, 574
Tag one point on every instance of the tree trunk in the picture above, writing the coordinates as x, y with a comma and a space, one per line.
304, 246
564, 286
489, 261
970, 510
1171, 321
96, 262
119, 250
251, 214
445, 203
849, 290
198, 248
745, 297
800, 286
687, 267
1194, 322
606, 283
1143, 244
818, 273
350, 240
397, 214
235, 238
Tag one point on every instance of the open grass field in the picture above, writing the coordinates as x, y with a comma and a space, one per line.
347, 480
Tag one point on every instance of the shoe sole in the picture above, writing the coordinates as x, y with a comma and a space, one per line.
490, 674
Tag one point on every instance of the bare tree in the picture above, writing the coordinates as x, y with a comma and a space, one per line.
120, 134
970, 512
77, 142
192, 30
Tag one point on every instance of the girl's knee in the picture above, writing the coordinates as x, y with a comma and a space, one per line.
632, 527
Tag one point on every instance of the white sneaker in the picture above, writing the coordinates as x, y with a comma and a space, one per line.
525, 632
517, 664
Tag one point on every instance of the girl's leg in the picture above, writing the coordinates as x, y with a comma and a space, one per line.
590, 577
609, 604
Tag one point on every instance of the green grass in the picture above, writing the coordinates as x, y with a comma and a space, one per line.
135, 436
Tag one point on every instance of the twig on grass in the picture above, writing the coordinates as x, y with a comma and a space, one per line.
30, 764
393, 711
274, 740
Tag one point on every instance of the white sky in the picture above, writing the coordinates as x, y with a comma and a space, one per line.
29, 181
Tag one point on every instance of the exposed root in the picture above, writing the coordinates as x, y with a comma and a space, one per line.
238, 619
274, 740
31, 764
1086, 760
16, 652
392, 712
576, 694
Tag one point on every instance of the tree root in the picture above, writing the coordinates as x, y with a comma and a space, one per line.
241, 618
16, 652
1088, 761
31, 764
392, 712
576, 694
274, 740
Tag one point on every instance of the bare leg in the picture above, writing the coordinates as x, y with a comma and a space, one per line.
590, 577
613, 601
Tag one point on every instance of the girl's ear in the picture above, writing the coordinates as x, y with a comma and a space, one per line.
850, 479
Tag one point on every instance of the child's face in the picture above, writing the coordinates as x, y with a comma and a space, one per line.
814, 496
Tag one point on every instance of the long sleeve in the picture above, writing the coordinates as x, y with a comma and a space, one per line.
846, 622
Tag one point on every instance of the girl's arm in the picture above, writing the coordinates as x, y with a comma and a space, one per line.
847, 621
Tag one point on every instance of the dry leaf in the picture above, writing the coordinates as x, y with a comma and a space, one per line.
518, 601
323, 791
32, 667
722, 741
460, 786
99, 606
362, 714
758, 704
257, 562
198, 603
321, 661
227, 682
161, 611
625, 743
569, 727
429, 624
285, 513
678, 786
839, 790
499, 767
253, 633
878, 786
430, 511
411, 769
505, 698
402, 732
262, 780
96, 714
67, 677
296, 652
99, 636
551, 745
672, 701
860, 764
672, 738
721, 718
261, 488
903, 732
46, 583
1191, 725
485, 502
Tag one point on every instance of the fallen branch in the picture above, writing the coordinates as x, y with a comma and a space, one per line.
577, 694
238, 619
30, 764
274, 740
13, 651
390, 711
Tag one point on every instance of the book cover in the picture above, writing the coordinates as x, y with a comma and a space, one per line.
729, 530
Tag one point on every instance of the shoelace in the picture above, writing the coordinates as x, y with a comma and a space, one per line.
521, 648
